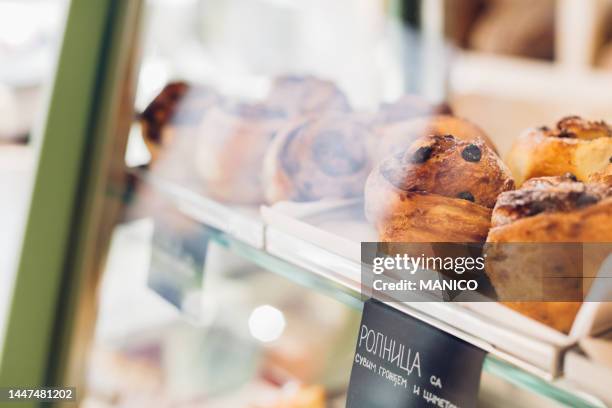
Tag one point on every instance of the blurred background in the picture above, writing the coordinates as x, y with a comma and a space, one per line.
250, 337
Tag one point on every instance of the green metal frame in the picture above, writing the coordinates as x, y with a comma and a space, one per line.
65, 234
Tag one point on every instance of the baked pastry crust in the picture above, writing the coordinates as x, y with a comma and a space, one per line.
576, 146
553, 209
548, 210
441, 189
312, 159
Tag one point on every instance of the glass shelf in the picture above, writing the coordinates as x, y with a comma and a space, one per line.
557, 390
554, 390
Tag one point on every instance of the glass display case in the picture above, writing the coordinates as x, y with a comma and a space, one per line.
211, 169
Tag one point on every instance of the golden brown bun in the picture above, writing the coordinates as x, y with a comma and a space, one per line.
178, 108
548, 210
306, 95
396, 136
231, 145
441, 189
312, 159
576, 146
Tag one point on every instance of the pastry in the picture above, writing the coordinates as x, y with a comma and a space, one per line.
306, 95
548, 210
317, 158
441, 189
231, 144
179, 107
398, 136
575, 146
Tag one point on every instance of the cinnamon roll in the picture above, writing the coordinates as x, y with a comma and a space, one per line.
178, 108
306, 95
441, 189
232, 142
575, 145
317, 158
548, 211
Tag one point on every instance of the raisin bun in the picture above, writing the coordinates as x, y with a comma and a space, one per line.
177, 109
232, 142
315, 158
575, 145
397, 136
440, 189
548, 210
306, 95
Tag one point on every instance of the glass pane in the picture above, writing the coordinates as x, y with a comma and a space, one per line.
271, 138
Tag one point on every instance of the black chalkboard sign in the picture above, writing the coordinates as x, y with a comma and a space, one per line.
402, 362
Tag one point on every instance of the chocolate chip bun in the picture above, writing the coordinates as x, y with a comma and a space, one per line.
312, 159
548, 211
397, 136
306, 95
441, 189
177, 109
232, 142
575, 145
